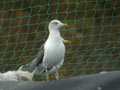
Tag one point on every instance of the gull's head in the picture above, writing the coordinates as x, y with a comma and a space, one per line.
56, 25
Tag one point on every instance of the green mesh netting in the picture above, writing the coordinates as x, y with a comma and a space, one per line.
94, 32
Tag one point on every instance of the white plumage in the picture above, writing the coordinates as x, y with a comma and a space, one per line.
54, 49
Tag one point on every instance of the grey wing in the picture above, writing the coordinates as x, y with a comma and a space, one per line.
35, 63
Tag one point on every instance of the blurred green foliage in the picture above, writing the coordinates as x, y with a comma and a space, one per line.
94, 32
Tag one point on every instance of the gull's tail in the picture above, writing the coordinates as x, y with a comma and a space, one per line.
29, 67
32, 67
35, 66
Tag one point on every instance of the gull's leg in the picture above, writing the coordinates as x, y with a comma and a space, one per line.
47, 75
57, 75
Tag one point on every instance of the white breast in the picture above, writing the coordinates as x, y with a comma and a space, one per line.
54, 52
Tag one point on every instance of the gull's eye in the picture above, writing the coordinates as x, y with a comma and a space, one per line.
55, 23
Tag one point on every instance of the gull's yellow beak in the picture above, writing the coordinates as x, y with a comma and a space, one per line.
65, 25
66, 42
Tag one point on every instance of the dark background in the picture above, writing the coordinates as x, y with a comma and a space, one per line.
94, 32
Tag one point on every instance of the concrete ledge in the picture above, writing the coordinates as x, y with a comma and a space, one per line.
101, 81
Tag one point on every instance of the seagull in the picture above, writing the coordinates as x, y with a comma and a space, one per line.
51, 54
